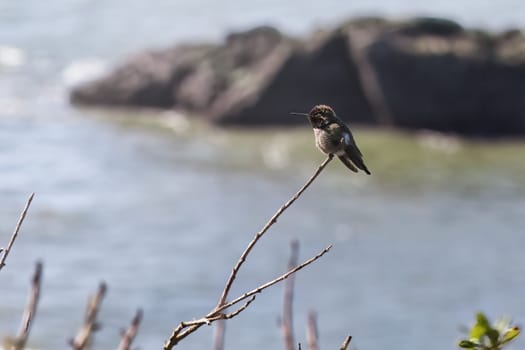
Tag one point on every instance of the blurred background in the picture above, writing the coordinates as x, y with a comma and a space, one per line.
160, 206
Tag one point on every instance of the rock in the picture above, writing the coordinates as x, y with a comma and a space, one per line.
449, 79
421, 73
146, 80
188, 76
233, 71
254, 78
294, 78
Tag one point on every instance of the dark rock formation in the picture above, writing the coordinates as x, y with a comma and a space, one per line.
423, 73
146, 80
295, 80
444, 78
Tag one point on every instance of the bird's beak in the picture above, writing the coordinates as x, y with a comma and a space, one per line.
301, 114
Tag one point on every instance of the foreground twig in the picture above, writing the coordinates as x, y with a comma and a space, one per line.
91, 324
129, 334
20, 341
270, 222
311, 331
346, 342
5, 252
287, 318
186, 328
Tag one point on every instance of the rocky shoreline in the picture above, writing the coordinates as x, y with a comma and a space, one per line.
422, 73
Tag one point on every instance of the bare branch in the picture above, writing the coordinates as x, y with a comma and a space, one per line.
258, 235
6, 251
287, 319
311, 331
20, 341
346, 342
186, 328
91, 325
241, 309
207, 320
277, 280
218, 341
131, 332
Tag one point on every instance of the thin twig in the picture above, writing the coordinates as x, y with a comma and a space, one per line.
91, 325
277, 280
129, 334
239, 310
6, 251
311, 331
186, 328
220, 326
258, 235
287, 318
346, 342
219, 316
20, 341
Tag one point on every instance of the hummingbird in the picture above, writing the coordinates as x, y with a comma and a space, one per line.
333, 137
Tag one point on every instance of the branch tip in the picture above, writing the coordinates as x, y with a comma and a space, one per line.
5, 251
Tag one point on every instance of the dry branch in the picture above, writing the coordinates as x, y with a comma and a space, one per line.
346, 342
20, 341
129, 334
186, 328
270, 222
287, 318
312, 334
272, 282
83, 337
5, 252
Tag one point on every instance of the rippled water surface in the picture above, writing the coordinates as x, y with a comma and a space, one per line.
160, 208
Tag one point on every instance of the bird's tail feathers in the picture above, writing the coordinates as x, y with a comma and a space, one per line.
357, 159
348, 163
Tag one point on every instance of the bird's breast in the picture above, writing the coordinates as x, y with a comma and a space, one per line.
328, 143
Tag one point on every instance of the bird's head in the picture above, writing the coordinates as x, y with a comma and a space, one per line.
319, 116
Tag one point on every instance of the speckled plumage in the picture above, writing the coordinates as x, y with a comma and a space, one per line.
332, 136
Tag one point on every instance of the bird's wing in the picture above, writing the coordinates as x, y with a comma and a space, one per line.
350, 142
348, 163
353, 152
355, 156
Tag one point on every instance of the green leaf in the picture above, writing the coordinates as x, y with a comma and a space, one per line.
467, 344
482, 320
480, 329
477, 332
510, 334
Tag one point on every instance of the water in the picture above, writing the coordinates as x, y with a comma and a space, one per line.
160, 208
